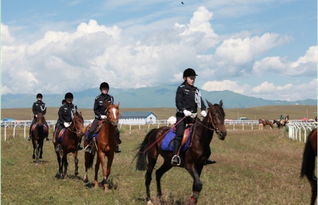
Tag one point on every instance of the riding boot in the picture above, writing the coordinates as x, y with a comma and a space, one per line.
79, 146
89, 137
176, 161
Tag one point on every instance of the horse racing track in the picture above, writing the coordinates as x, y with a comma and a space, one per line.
253, 167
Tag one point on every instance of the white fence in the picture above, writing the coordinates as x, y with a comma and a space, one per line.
299, 130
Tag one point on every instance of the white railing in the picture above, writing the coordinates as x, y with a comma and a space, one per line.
299, 130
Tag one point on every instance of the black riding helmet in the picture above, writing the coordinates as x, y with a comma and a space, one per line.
39, 95
68, 96
104, 85
189, 72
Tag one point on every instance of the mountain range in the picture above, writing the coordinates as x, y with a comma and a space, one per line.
146, 97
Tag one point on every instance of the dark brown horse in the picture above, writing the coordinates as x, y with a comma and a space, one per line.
39, 131
264, 123
68, 144
105, 146
193, 159
309, 161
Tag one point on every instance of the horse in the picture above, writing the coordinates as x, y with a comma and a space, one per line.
38, 132
278, 123
105, 145
193, 159
309, 161
284, 121
67, 143
264, 122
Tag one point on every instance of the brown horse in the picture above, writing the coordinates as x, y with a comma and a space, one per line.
39, 131
309, 161
193, 159
105, 145
67, 143
264, 123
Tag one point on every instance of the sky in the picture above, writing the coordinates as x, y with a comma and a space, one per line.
260, 48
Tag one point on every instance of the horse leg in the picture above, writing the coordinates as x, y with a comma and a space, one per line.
106, 171
151, 164
33, 155
166, 166
59, 160
197, 184
76, 163
313, 183
41, 149
96, 172
64, 164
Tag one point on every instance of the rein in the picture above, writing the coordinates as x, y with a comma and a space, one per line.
212, 129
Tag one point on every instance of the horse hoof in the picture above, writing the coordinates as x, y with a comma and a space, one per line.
149, 202
76, 173
85, 180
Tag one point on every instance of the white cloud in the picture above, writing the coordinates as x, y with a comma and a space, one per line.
267, 90
6, 38
244, 50
304, 65
223, 85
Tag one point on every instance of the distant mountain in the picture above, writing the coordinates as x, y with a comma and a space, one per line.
146, 97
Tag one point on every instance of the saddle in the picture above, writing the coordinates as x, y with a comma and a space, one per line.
167, 145
35, 124
96, 131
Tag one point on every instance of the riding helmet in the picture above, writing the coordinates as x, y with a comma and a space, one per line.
69, 96
39, 95
104, 85
189, 72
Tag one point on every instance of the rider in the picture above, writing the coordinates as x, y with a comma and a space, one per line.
188, 99
38, 107
65, 115
100, 114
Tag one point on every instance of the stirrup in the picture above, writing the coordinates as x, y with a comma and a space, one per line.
176, 160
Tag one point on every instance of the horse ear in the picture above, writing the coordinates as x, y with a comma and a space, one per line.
118, 104
209, 104
221, 103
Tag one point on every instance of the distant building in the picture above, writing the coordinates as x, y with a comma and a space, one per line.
137, 118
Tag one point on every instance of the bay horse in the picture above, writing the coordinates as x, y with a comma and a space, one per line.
67, 143
39, 131
193, 159
105, 146
309, 161
264, 123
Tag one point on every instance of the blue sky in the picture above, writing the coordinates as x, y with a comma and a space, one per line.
261, 48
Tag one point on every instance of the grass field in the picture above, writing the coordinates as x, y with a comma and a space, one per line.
253, 167
264, 112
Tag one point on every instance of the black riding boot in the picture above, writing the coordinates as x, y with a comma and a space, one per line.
176, 160
89, 138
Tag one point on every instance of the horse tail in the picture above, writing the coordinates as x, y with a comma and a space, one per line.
89, 159
141, 162
308, 164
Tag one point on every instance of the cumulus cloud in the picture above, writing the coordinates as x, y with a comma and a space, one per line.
244, 50
304, 65
267, 90
63, 61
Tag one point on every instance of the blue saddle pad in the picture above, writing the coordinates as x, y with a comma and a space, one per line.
94, 135
167, 145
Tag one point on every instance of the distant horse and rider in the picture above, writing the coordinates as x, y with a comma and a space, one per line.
309, 163
39, 129
279, 123
67, 136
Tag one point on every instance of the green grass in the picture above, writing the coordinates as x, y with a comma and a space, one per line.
253, 167
264, 112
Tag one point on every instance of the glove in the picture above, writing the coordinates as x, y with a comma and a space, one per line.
66, 124
187, 113
203, 113
36, 115
103, 117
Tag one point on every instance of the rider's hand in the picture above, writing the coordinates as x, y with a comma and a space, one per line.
36, 115
103, 117
203, 113
187, 113
66, 124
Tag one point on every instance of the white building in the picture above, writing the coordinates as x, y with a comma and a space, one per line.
137, 118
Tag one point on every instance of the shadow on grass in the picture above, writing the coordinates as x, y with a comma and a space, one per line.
40, 161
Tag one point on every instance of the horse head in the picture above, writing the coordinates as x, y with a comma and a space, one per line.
112, 113
78, 124
216, 117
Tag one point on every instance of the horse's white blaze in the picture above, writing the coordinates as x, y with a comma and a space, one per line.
114, 113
